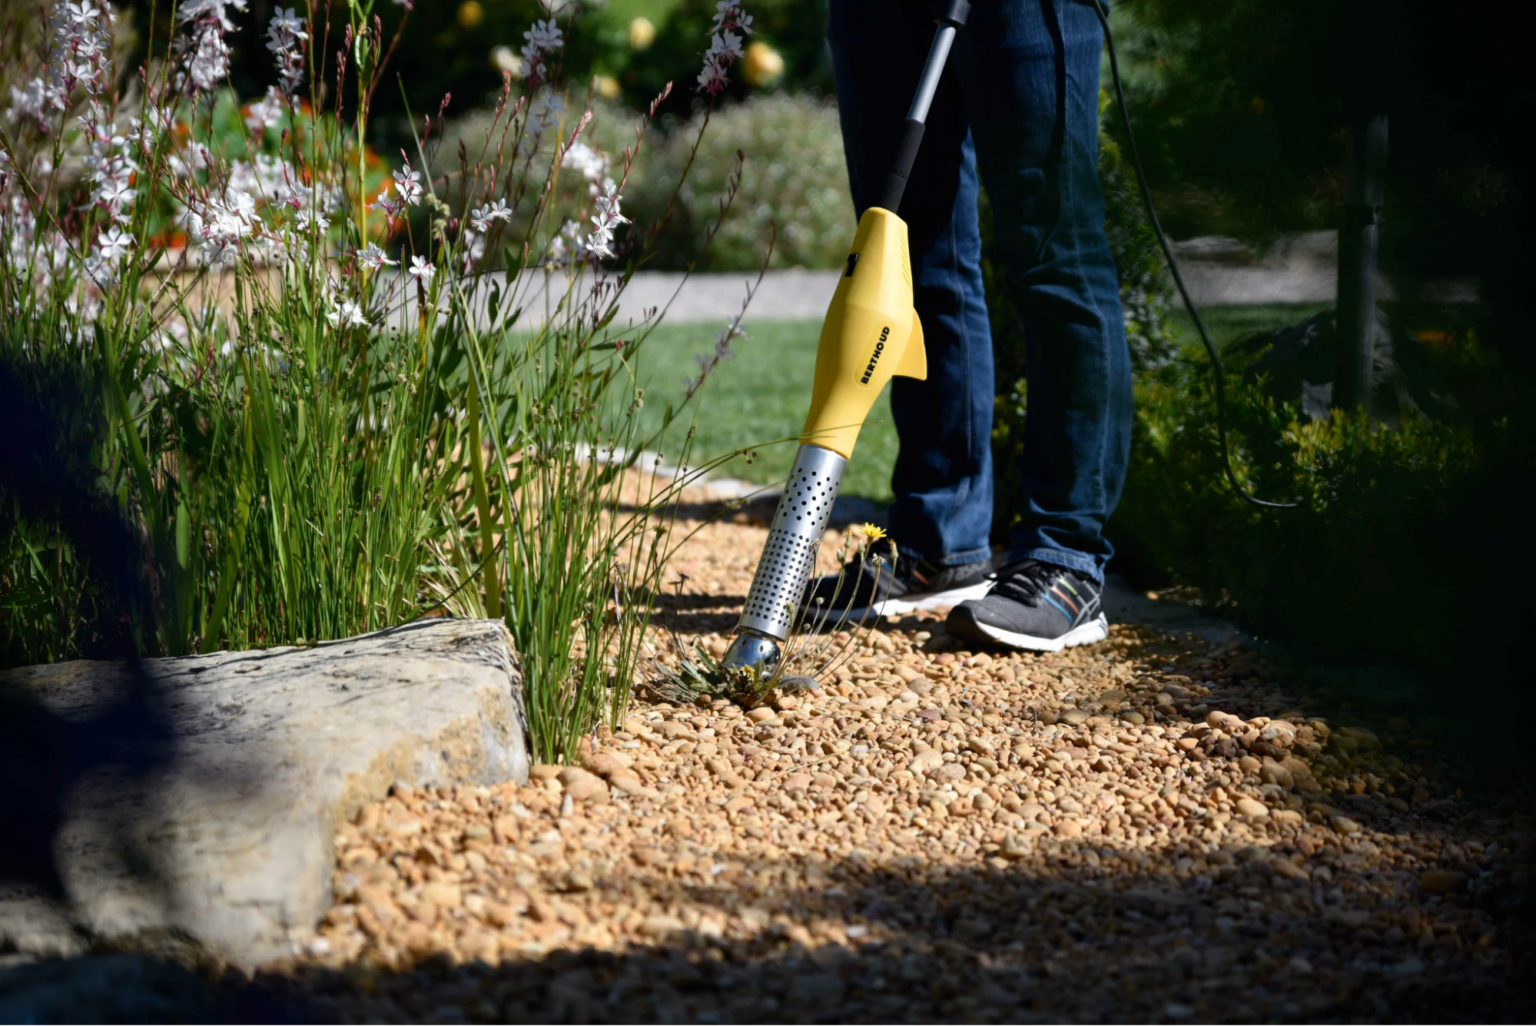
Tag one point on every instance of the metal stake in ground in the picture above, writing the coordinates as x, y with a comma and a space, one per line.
871, 333
1366, 157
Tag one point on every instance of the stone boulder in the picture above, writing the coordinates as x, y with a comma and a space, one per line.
231, 846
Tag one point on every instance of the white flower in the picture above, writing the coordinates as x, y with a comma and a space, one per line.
408, 183
348, 314
298, 195
589, 162
264, 113
373, 258
208, 62
29, 101
99, 269
480, 218
210, 10
728, 14
307, 220
712, 78
723, 350
544, 34
543, 114
472, 246
391, 205
599, 243
83, 14
222, 224
284, 32
113, 243
542, 39
287, 23
421, 269
115, 195
725, 45
608, 206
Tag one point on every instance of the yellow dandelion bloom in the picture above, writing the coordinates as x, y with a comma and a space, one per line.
871, 532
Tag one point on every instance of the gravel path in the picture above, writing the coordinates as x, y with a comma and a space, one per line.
1147, 829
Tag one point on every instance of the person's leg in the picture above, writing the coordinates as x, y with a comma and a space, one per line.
1029, 72
943, 475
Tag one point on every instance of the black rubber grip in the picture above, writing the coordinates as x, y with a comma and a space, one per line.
901, 166
952, 12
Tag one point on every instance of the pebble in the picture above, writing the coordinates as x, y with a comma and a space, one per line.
923, 762
1251, 808
1441, 881
1000, 853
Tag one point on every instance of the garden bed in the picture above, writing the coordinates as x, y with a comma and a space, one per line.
939, 834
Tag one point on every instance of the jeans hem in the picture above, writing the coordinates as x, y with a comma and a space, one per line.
954, 559
1068, 560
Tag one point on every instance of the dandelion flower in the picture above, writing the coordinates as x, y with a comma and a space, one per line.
871, 532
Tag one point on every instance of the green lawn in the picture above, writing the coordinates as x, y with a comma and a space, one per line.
1227, 324
760, 395
763, 393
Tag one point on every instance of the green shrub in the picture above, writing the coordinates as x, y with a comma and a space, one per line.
793, 174
1398, 551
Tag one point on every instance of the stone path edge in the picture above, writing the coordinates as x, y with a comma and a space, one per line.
276, 749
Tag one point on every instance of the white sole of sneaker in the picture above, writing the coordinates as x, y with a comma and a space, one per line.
937, 600
1087, 634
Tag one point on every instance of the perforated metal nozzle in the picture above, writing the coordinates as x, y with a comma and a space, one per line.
750, 651
788, 557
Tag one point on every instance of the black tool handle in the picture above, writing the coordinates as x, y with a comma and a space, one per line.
952, 14
901, 167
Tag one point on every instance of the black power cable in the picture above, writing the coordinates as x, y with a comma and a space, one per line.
1178, 279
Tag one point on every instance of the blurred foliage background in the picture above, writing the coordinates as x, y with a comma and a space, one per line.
1240, 108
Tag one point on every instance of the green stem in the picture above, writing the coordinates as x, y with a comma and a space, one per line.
483, 506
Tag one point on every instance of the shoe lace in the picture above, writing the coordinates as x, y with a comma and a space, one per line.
1024, 582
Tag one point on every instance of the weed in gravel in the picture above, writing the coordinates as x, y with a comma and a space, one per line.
823, 638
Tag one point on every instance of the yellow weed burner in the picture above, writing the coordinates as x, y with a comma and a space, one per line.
871, 333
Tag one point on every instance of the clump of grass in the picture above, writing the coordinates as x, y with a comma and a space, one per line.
303, 388
822, 638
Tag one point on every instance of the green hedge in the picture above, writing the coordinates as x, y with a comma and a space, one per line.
1406, 546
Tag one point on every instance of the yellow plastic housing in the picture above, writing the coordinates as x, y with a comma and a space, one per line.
871, 334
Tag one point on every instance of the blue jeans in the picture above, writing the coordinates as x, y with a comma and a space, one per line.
1018, 103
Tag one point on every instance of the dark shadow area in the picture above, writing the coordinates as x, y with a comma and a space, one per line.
43, 753
1080, 933
687, 613
81, 754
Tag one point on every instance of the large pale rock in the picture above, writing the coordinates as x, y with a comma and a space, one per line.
274, 749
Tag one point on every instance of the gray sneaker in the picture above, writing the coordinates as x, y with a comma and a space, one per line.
1036, 606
